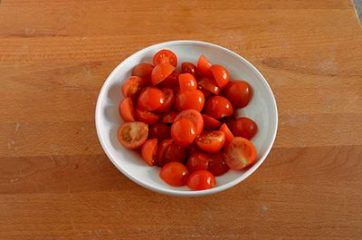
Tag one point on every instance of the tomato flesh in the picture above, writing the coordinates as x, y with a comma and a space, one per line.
160, 72
203, 66
228, 134
132, 86
146, 117
210, 122
132, 134
211, 142
165, 56
126, 110
149, 150
240, 153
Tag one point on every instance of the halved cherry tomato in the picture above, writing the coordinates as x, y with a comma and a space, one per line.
165, 56
149, 150
132, 86
239, 93
132, 134
187, 82
169, 117
183, 132
201, 180
171, 81
195, 118
160, 131
187, 67
209, 85
243, 127
205, 92
160, 72
211, 142
218, 107
228, 134
240, 153
147, 117
220, 74
169, 151
174, 174
198, 161
126, 110
144, 71
217, 164
169, 100
203, 66
210, 122
150, 99
193, 99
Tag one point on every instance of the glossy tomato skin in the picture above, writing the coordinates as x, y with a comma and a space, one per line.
171, 81
126, 110
151, 99
210, 122
217, 164
187, 82
132, 86
187, 67
201, 180
198, 161
174, 174
239, 93
144, 71
160, 131
132, 134
228, 134
195, 117
169, 97
240, 153
203, 66
160, 72
211, 142
183, 132
243, 127
149, 150
165, 56
169, 117
220, 74
194, 99
169, 151
209, 85
146, 117
218, 107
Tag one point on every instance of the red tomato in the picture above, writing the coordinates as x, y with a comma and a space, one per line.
209, 85
195, 118
218, 107
243, 127
217, 164
220, 74
187, 82
239, 93
149, 150
201, 180
147, 117
240, 153
228, 134
151, 99
198, 161
160, 72
165, 56
169, 117
210, 122
132, 134
187, 67
171, 81
144, 71
174, 174
132, 86
126, 110
211, 142
169, 100
160, 131
168, 151
183, 132
190, 100
203, 66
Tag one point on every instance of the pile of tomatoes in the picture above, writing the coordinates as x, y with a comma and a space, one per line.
184, 122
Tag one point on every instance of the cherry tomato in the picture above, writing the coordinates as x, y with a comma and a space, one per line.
201, 180
190, 100
217, 164
149, 150
160, 72
169, 117
210, 122
151, 99
209, 85
198, 161
183, 132
169, 151
147, 117
211, 142
203, 66
165, 56
187, 67
220, 74
169, 100
132, 86
187, 82
228, 134
195, 118
132, 134
160, 131
218, 107
171, 81
126, 110
174, 174
243, 127
144, 71
240, 153
239, 93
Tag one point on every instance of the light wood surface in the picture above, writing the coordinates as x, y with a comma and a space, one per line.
56, 182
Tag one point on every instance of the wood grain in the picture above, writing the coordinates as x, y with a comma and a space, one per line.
56, 182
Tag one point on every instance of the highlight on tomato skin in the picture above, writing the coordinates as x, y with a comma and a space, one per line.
195, 117
239, 93
220, 74
201, 180
193, 99
160, 72
218, 107
183, 132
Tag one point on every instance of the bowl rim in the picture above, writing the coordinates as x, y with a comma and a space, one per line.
175, 192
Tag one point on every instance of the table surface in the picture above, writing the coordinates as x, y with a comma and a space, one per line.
57, 183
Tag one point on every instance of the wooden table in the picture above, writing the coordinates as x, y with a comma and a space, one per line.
57, 183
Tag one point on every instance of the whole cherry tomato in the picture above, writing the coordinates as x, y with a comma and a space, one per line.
243, 127
183, 132
174, 174
193, 99
187, 82
239, 93
218, 107
132, 134
151, 99
165, 56
201, 180
198, 161
240, 153
169, 100
187, 67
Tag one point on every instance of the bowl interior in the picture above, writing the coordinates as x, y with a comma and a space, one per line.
262, 109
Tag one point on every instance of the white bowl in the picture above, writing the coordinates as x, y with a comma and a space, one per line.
262, 109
